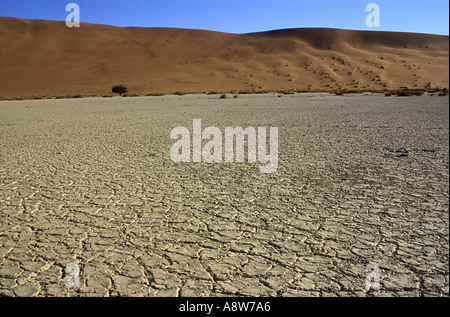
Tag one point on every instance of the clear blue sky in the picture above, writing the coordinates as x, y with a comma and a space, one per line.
243, 16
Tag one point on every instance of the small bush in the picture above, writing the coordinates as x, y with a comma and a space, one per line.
120, 89
223, 96
409, 93
354, 91
286, 92
132, 95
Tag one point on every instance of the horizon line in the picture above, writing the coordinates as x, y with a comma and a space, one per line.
210, 30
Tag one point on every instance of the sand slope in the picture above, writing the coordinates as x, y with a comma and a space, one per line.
40, 57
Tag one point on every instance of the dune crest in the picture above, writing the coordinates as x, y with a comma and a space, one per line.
39, 57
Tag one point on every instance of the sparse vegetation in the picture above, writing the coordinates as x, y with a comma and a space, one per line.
132, 95
120, 89
404, 93
284, 92
409, 93
354, 91
223, 96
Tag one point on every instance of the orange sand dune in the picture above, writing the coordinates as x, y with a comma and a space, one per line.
40, 57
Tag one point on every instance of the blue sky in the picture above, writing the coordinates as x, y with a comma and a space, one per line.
243, 16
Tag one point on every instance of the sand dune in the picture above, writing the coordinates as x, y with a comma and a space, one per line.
40, 57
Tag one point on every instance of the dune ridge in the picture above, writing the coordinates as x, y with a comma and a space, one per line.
39, 57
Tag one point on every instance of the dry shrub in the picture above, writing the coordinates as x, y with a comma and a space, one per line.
120, 89
409, 93
286, 92
404, 93
131, 95
354, 91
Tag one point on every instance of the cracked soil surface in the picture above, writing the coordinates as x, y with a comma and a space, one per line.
361, 179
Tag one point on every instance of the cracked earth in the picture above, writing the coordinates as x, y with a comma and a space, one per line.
361, 179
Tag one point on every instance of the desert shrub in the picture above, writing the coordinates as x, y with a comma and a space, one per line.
120, 89
354, 91
132, 95
340, 92
286, 92
223, 96
409, 93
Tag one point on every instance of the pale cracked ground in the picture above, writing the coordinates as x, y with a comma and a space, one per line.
362, 179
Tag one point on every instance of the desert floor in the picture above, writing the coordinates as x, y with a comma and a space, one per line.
361, 179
